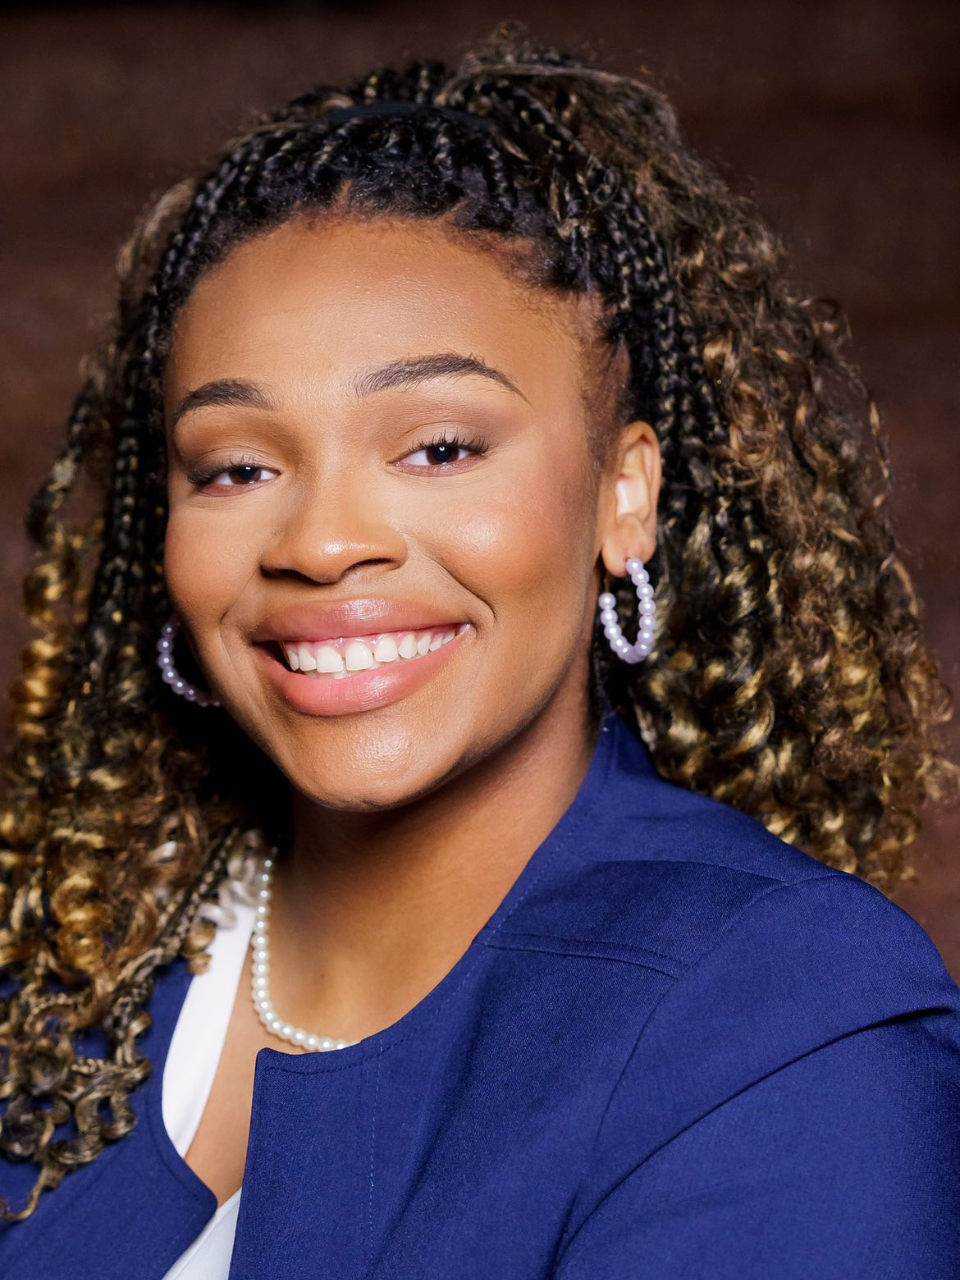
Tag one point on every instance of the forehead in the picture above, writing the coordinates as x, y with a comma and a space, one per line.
317, 301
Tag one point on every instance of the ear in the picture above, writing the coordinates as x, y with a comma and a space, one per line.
629, 492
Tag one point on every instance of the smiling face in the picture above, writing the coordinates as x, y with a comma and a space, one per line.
378, 463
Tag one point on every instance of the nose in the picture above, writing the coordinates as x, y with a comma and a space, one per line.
333, 527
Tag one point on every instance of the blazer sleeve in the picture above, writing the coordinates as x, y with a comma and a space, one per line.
791, 1108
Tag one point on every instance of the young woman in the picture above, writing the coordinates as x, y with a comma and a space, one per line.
458, 766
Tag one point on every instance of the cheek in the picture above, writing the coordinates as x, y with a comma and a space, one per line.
205, 573
527, 553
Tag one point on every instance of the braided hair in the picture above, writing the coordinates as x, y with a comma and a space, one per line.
790, 677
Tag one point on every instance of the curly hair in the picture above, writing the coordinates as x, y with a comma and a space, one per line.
789, 679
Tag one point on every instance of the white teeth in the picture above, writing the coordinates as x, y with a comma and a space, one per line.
358, 656
386, 650
408, 645
325, 660
328, 659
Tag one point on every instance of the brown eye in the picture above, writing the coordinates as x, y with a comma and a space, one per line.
245, 474
241, 475
443, 451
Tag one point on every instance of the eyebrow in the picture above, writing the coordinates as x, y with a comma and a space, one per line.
225, 391
406, 372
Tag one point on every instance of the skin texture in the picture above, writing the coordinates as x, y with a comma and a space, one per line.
412, 820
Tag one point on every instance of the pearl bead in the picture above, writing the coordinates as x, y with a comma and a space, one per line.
607, 600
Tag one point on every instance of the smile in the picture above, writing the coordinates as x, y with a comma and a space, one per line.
339, 659
366, 672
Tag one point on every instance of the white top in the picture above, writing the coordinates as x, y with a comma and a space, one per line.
190, 1069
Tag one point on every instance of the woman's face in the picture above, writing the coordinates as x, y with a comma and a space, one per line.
312, 523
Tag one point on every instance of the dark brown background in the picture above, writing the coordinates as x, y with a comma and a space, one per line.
840, 116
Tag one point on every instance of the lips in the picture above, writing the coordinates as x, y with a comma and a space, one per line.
363, 616
347, 693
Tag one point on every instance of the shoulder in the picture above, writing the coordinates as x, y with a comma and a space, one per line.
789, 994
805, 1052
750, 932
667, 871
773, 955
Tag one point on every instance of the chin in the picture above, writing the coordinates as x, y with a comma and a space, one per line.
368, 769
368, 791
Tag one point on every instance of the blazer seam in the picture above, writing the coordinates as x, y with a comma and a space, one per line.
712, 862
373, 1151
588, 950
528, 941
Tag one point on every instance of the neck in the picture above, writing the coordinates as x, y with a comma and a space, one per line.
371, 910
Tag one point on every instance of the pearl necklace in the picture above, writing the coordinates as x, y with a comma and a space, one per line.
261, 974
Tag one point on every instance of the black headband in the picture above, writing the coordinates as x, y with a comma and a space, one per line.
390, 108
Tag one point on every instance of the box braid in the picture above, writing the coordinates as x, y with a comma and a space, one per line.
790, 676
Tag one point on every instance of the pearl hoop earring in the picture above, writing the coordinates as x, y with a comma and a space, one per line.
646, 638
169, 673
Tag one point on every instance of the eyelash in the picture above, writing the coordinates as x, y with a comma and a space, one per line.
477, 445
199, 477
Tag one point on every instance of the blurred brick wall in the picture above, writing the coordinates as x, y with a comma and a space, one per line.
840, 117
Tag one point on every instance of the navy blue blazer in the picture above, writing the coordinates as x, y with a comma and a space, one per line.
680, 1048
